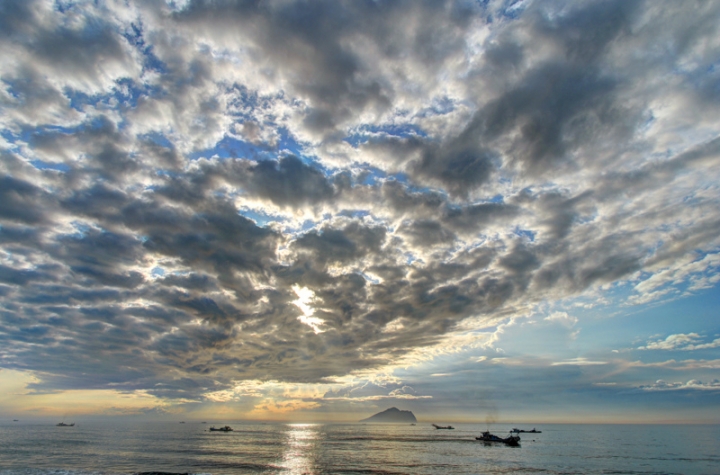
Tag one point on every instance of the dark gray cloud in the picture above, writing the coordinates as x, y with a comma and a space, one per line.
408, 167
21, 202
427, 233
350, 243
477, 216
286, 182
99, 145
460, 165
318, 50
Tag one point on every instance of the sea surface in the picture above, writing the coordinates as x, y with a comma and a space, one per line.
255, 448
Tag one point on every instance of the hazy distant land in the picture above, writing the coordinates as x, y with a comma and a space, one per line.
393, 415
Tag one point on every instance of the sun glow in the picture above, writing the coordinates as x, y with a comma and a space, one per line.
305, 298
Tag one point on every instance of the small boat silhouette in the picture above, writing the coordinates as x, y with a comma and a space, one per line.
512, 440
221, 429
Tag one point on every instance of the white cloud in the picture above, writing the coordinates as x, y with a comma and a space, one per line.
692, 385
688, 270
562, 318
378, 397
682, 365
578, 362
681, 342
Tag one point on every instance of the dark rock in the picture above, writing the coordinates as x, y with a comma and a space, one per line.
392, 415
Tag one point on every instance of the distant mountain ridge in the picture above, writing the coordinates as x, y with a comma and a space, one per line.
393, 415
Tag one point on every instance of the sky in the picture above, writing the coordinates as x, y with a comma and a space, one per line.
314, 211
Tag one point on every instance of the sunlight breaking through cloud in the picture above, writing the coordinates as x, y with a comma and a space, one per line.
305, 298
201, 198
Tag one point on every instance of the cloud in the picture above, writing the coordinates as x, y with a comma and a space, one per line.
689, 364
270, 406
578, 362
368, 392
287, 182
692, 385
177, 179
681, 342
563, 319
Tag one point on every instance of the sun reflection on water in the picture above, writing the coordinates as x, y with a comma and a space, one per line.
300, 448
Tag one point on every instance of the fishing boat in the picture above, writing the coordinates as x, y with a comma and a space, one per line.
442, 427
62, 424
512, 440
533, 431
221, 429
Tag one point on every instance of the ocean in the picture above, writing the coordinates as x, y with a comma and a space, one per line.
294, 449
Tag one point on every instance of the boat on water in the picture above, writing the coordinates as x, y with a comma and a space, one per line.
513, 440
442, 427
533, 431
221, 429
62, 424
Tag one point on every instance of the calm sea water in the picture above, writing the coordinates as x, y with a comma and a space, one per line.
103, 448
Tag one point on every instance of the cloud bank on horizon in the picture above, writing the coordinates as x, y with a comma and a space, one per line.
202, 200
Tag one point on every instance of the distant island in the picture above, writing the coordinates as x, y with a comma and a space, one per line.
392, 415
